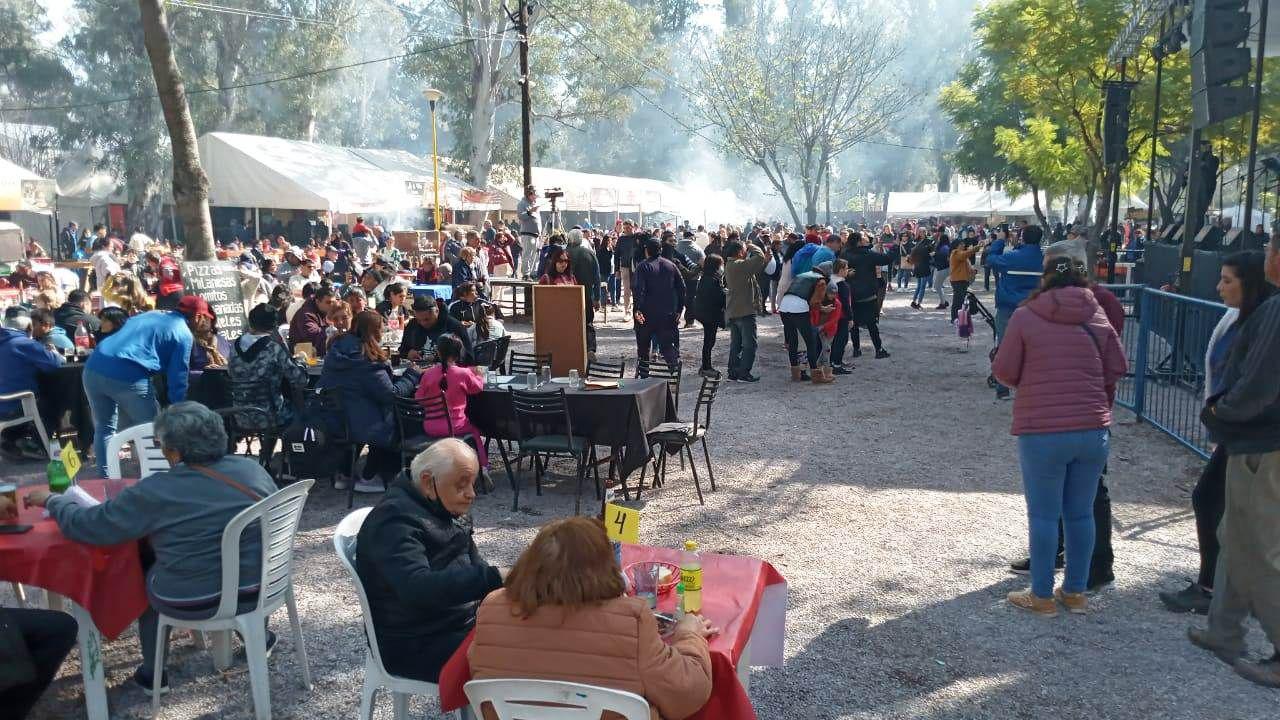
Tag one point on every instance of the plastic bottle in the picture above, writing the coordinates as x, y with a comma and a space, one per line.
691, 577
679, 613
83, 339
55, 471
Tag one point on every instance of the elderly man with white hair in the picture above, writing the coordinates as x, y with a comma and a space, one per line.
182, 512
419, 564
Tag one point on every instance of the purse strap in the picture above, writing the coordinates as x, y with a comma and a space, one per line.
214, 474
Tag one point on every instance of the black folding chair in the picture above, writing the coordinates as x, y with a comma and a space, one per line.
332, 404
660, 369
545, 430
491, 353
411, 437
254, 416
684, 435
521, 363
607, 370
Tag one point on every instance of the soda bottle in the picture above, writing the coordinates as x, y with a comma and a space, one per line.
691, 577
83, 339
55, 471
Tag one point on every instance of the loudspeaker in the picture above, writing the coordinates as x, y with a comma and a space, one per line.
1115, 123
1218, 30
1209, 238
1172, 233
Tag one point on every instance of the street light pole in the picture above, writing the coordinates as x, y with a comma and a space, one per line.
432, 95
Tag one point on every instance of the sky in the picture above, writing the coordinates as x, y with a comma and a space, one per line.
60, 13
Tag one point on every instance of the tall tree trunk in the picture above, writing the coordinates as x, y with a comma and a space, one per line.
190, 184
483, 125
229, 43
1035, 203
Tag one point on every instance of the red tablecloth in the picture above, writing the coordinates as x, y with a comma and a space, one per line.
105, 581
732, 588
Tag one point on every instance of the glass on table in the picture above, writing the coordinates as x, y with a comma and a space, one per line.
531, 381
645, 580
544, 375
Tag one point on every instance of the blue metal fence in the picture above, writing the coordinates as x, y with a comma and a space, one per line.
1165, 338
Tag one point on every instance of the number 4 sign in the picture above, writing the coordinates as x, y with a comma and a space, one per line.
622, 523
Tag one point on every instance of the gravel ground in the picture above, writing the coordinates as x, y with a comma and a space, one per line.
892, 503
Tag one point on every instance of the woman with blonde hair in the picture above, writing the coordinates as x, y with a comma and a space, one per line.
565, 596
124, 290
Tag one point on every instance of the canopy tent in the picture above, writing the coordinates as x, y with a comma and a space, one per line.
24, 191
455, 193
595, 192
983, 203
1236, 214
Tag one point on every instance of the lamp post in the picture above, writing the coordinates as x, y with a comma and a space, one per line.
432, 95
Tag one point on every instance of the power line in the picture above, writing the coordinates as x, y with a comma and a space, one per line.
240, 86
246, 12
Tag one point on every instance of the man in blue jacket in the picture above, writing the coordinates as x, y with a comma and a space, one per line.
117, 376
21, 360
1018, 271
659, 298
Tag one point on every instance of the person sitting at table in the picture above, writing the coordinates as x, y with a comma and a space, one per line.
558, 270
355, 299
33, 644
357, 365
22, 359
208, 349
428, 325
77, 310
124, 290
258, 364
50, 299
182, 513
419, 565
467, 306
44, 329
110, 320
393, 303
456, 383
597, 634
308, 323
468, 269
117, 376
306, 274
426, 273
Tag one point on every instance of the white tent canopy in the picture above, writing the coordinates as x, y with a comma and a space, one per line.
24, 191
455, 193
981, 203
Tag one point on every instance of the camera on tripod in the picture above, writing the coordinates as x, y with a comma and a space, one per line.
553, 193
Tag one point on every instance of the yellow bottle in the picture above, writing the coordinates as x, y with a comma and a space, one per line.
691, 577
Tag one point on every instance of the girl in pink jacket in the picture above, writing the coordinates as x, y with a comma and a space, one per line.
1065, 359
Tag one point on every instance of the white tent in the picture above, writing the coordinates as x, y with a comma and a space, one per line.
1236, 214
28, 198
980, 204
455, 192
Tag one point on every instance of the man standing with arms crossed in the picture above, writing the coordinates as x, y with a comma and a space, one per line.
530, 230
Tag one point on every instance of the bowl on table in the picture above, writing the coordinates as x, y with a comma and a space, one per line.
668, 574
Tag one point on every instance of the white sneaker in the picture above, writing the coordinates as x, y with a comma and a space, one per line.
341, 482
368, 486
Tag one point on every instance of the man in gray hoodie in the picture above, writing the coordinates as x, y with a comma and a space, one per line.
182, 512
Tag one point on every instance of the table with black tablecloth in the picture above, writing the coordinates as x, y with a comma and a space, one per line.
619, 418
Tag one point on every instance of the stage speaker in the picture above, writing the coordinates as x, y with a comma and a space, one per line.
1219, 29
1209, 238
1115, 122
1171, 234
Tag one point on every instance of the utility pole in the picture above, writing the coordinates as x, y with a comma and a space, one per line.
1253, 131
526, 131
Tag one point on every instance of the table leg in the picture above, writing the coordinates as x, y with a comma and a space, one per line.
90, 642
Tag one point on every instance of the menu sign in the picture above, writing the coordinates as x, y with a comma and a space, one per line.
218, 282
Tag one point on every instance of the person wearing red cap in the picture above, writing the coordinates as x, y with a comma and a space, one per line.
117, 376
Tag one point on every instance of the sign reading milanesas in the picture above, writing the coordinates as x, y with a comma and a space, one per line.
219, 284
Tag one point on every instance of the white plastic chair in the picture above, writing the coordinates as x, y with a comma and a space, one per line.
376, 676
145, 448
509, 698
277, 516
30, 414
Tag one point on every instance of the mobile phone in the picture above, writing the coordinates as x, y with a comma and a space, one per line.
14, 529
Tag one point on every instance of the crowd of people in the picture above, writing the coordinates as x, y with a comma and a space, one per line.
344, 304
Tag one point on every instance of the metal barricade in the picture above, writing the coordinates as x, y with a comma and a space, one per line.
1165, 339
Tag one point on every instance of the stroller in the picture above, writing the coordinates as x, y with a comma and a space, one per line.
977, 309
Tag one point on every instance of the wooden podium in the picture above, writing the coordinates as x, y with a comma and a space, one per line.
560, 327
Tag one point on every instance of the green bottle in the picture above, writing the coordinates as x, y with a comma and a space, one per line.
59, 481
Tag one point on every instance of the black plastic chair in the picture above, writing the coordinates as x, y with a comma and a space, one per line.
499, 360
332, 404
607, 370
521, 363
544, 429
490, 353
683, 435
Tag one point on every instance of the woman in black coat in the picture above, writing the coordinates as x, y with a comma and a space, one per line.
708, 308
864, 289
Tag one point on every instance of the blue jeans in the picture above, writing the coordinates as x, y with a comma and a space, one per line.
108, 399
1060, 478
921, 286
1002, 322
742, 345
614, 283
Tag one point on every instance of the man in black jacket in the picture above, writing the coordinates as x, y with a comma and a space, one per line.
419, 564
75, 311
419, 339
1246, 420
659, 291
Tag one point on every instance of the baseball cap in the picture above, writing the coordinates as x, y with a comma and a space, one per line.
193, 306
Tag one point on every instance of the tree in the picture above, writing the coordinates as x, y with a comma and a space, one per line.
190, 185
790, 110
572, 80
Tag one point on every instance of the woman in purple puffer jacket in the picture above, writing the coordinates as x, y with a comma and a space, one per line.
1064, 358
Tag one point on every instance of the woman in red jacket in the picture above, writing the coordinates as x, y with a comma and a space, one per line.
1064, 358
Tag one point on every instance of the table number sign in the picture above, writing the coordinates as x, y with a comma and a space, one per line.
70, 460
622, 524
